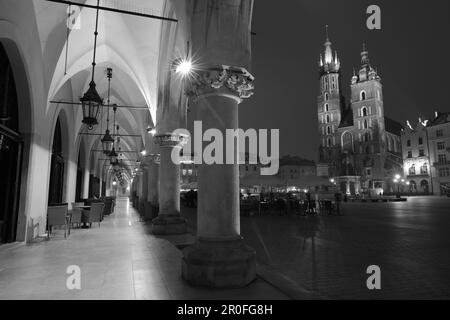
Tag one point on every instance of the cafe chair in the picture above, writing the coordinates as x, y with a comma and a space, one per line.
57, 216
75, 217
95, 214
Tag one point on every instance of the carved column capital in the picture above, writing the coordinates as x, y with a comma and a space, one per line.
170, 140
225, 80
152, 159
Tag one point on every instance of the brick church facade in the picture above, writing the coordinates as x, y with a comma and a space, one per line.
360, 147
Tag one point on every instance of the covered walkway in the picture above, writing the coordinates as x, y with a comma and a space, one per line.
119, 260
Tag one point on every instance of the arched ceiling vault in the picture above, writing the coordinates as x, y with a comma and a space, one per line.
130, 43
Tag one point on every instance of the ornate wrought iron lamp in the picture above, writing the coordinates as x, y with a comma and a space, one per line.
108, 140
91, 101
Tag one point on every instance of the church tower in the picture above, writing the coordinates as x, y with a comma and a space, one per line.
330, 103
368, 121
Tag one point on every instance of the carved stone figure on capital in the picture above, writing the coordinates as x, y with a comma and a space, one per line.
237, 80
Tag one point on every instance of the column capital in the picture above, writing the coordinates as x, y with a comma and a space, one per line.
222, 80
152, 159
170, 140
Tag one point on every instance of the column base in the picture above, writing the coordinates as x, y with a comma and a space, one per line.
221, 264
151, 211
167, 225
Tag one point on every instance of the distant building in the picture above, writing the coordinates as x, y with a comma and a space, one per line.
360, 146
439, 141
296, 167
416, 158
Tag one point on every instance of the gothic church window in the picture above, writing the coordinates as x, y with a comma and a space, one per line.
329, 142
328, 130
365, 124
364, 112
327, 107
362, 95
326, 96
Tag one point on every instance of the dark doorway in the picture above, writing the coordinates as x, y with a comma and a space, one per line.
55, 193
80, 172
10, 151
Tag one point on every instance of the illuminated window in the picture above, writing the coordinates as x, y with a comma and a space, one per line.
329, 142
364, 112
184, 172
412, 170
362, 95
424, 169
444, 172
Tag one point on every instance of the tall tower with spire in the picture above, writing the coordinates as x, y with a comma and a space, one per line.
330, 103
368, 120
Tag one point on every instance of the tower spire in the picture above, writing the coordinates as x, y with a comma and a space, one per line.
365, 62
328, 57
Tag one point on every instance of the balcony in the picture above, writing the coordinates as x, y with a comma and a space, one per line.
421, 175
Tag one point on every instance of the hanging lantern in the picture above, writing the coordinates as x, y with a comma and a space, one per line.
107, 143
108, 140
91, 103
113, 156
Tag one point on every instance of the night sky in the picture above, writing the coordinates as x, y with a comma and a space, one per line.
411, 53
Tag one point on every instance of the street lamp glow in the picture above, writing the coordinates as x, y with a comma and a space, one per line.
184, 67
395, 180
143, 152
397, 176
114, 183
332, 180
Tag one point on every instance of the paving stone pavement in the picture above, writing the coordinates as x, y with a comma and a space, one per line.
329, 255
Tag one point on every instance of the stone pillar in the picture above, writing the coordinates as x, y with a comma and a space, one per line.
86, 177
220, 33
220, 258
152, 162
169, 220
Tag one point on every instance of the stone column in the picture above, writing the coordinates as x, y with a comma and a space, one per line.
86, 176
220, 258
152, 163
169, 220
220, 33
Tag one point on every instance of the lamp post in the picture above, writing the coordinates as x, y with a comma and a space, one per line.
397, 181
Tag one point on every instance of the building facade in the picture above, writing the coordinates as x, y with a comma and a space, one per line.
359, 145
438, 131
416, 159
